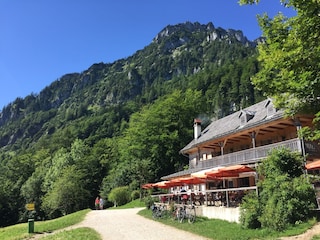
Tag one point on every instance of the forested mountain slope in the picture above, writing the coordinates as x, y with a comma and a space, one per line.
121, 123
219, 62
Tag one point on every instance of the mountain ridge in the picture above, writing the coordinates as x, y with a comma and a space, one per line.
177, 51
213, 33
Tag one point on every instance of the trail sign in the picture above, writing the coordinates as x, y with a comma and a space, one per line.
30, 206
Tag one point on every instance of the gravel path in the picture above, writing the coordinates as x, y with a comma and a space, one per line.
315, 230
125, 224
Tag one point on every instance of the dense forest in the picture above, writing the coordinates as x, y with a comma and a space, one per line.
121, 123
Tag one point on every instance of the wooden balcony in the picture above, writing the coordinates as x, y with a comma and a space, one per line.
254, 155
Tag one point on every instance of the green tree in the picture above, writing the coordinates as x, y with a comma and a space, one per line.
290, 58
67, 195
119, 196
55, 167
285, 193
14, 171
151, 143
32, 192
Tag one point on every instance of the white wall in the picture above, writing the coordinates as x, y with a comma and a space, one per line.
223, 213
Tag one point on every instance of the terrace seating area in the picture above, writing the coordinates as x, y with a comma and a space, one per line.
229, 197
218, 187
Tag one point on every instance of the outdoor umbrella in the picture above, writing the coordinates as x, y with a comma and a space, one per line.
192, 180
238, 168
176, 182
162, 184
313, 165
147, 186
230, 171
202, 173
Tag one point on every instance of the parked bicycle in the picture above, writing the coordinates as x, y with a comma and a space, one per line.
159, 211
179, 212
187, 212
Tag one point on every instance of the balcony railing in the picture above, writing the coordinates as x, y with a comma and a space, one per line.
254, 155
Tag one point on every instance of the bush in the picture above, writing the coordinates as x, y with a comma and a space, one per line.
285, 194
149, 201
135, 194
119, 196
250, 211
292, 202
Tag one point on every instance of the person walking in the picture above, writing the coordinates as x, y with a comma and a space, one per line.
101, 204
97, 203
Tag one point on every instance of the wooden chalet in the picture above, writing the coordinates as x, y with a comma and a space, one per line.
240, 140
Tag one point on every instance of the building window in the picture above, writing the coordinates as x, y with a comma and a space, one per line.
245, 116
244, 182
204, 156
271, 110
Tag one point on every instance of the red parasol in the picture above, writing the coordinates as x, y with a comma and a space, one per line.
192, 180
160, 184
176, 182
313, 165
202, 174
230, 171
147, 186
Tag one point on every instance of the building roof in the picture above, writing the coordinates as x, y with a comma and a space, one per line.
256, 114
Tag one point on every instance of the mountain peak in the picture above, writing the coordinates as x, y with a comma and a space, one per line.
182, 32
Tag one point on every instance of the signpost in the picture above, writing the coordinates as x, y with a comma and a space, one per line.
30, 207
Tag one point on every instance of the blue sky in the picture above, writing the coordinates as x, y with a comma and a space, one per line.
43, 40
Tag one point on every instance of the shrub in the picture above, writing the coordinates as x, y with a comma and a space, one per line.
250, 211
149, 201
285, 194
292, 201
119, 196
135, 194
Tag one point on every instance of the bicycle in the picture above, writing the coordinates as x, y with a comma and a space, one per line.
181, 213
174, 212
186, 212
191, 213
159, 211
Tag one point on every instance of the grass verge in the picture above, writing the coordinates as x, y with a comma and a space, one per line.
61, 222
133, 204
20, 231
210, 228
79, 234
221, 230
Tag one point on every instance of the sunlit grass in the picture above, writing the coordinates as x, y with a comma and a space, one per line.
133, 204
79, 234
317, 237
221, 230
62, 222
20, 231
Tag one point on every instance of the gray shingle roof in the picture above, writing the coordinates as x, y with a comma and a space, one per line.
231, 123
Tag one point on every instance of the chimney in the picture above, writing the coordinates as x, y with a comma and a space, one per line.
197, 128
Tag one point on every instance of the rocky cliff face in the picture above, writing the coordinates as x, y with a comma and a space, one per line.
211, 34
